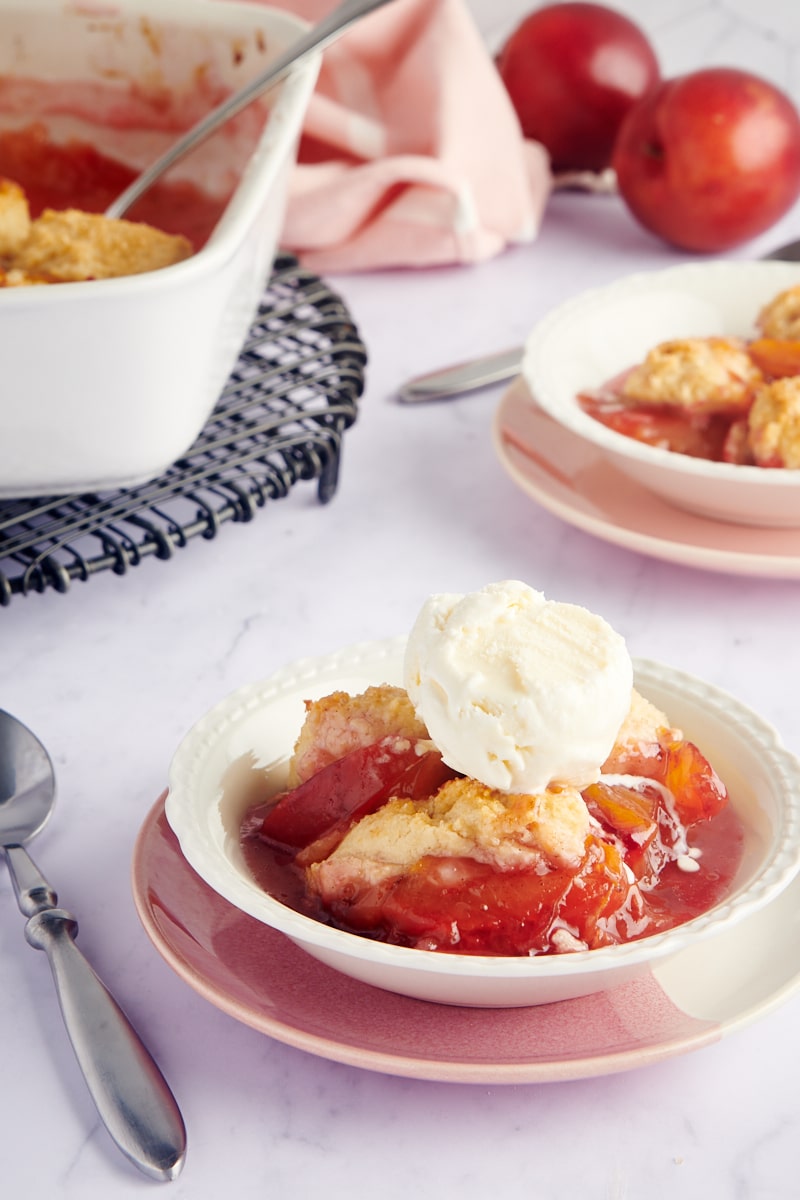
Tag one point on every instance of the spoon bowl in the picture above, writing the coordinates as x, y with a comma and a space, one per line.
27, 782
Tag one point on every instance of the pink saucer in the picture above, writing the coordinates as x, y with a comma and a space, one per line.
574, 480
261, 978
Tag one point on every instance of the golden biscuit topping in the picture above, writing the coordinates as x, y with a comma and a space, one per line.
698, 374
339, 723
774, 424
644, 724
72, 245
15, 219
781, 317
463, 819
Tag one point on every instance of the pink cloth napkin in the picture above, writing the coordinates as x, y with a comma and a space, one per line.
412, 154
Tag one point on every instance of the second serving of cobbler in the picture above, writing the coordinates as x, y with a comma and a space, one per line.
720, 398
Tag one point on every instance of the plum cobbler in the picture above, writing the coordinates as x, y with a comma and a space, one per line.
378, 836
720, 398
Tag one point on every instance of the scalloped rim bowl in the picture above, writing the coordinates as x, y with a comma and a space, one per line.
256, 726
594, 336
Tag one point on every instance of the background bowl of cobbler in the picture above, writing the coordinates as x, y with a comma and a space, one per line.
590, 339
241, 747
108, 381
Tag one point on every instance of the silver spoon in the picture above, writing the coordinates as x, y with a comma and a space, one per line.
131, 1095
476, 373
321, 35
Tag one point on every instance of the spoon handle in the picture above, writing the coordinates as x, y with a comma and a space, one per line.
131, 1094
462, 377
319, 36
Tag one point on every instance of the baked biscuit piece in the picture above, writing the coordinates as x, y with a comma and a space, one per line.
15, 219
643, 724
13, 277
700, 375
774, 424
340, 723
642, 729
73, 245
464, 819
510, 829
780, 318
736, 448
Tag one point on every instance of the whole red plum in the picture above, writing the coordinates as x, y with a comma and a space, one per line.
710, 159
572, 72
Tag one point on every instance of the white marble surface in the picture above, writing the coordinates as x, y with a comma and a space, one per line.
111, 674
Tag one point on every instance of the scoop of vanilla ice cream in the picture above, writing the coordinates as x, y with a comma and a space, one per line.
518, 691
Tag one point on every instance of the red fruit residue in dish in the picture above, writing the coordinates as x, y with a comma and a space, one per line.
75, 175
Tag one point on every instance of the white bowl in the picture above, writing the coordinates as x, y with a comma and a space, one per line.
255, 728
588, 340
107, 382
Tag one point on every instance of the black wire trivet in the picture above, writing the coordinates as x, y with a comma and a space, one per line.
279, 420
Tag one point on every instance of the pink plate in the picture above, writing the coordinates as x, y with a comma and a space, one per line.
573, 479
258, 976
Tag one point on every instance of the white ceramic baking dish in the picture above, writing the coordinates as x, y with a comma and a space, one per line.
107, 382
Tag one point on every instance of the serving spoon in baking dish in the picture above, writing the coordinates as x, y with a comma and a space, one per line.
131, 1094
319, 36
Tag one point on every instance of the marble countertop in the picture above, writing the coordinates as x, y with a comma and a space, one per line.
111, 674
